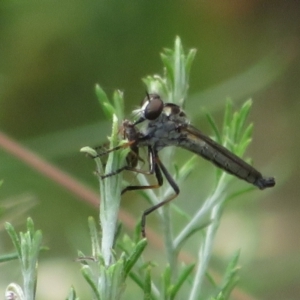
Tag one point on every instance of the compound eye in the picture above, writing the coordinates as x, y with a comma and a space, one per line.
154, 107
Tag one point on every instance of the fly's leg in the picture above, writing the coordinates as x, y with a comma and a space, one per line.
153, 169
132, 161
123, 146
156, 167
160, 167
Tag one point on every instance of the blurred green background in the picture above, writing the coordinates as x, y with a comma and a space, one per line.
51, 55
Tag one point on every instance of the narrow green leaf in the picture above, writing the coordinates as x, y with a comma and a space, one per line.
220, 296
137, 279
169, 67
180, 212
239, 193
108, 109
214, 127
166, 279
210, 279
242, 147
176, 171
189, 60
118, 104
95, 242
72, 294
187, 168
168, 51
88, 276
190, 233
118, 233
227, 117
181, 279
243, 114
117, 278
225, 136
246, 138
135, 255
36, 243
163, 88
126, 244
30, 226
14, 237
233, 127
147, 284
248, 132
88, 150
231, 277
137, 231
102, 97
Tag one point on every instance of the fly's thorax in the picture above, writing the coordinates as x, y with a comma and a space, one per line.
175, 113
161, 133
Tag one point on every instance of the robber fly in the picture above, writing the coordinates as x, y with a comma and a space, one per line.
169, 126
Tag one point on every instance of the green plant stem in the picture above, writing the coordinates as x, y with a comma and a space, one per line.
168, 238
205, 252
110, 191
110, 194
201, 215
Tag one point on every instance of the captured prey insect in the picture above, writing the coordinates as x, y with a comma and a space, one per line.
169, 126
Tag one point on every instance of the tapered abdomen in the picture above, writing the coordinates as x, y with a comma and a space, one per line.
224, 159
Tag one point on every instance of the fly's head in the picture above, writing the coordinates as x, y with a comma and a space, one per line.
151, 109
155, 110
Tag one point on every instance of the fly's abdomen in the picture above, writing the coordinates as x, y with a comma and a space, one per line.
225, 160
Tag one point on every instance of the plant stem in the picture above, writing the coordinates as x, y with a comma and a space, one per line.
205, 251
201, 214
110, 191
168, 238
